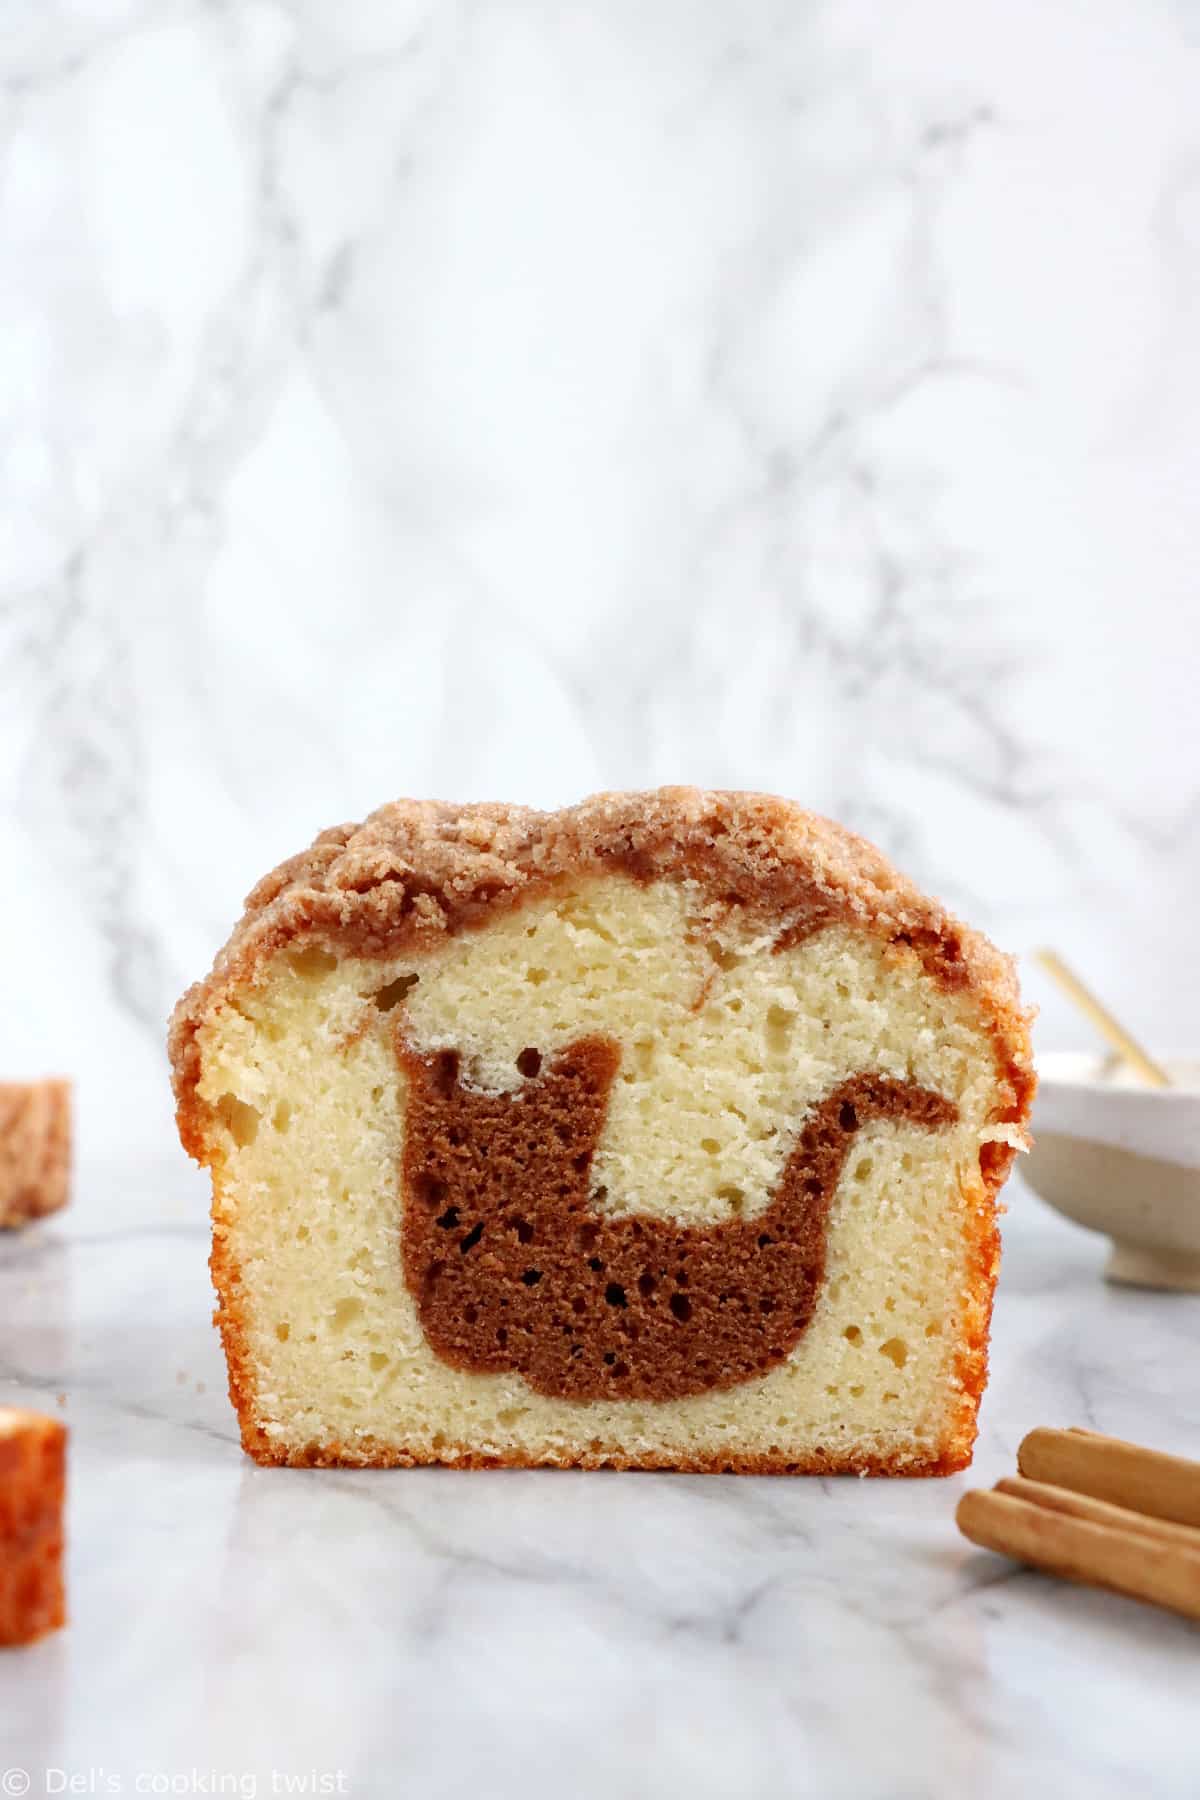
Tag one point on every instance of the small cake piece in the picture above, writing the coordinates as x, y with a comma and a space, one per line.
662, 1132
32, 1481
35, 1149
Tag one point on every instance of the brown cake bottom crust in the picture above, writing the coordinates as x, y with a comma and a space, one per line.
370, 1453
511, 1268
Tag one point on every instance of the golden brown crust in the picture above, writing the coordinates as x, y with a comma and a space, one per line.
416, 871
35, 1149
228, 1317
954, 1454
32, 1482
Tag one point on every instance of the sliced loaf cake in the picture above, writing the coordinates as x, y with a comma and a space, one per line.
662, 1132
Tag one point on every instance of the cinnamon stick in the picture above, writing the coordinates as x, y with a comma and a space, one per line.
1082, 1550
1100, 1512
1144, 1481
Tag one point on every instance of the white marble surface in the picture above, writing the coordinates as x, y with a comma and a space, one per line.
513, 400
430, 1632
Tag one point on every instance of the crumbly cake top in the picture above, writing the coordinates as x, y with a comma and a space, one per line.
416, 870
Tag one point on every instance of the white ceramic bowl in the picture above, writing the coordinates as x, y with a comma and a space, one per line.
1124, 1159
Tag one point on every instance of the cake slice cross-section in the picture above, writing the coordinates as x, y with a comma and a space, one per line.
35, 1149
32, 1488
661, 1132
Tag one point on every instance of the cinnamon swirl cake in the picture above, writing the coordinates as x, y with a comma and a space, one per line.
662, 1132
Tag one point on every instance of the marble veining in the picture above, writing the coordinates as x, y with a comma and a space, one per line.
510, 401
514, 401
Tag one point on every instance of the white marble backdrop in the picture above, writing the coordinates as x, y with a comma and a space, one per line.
514, 399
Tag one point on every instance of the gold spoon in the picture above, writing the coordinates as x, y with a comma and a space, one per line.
1152, 1073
